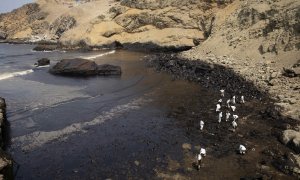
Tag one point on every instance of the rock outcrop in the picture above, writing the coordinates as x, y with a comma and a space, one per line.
291, 138
83, 67
62, 24
3, 35
2, 119
6, 164
167, 24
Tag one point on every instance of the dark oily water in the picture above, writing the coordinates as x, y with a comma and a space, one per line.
96, 127
139, 125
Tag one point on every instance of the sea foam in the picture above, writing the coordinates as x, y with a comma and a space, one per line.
39, 138
14, 74
98, 55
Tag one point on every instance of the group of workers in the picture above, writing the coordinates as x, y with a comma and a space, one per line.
230, 108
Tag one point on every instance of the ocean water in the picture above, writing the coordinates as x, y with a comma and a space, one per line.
95, 127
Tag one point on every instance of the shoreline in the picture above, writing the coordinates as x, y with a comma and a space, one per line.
139, 47
211, 74
265, 76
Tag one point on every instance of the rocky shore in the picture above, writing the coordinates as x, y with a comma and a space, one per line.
6, 163
221, 73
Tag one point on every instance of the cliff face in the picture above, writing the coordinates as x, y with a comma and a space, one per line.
250, 29
22, 23
162, 23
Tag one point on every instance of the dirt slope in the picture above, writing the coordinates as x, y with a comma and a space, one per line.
258, 39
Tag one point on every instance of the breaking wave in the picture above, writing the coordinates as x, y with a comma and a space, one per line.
14, 74
39, 138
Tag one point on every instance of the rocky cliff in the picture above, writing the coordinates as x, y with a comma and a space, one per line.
158, 23
6, 163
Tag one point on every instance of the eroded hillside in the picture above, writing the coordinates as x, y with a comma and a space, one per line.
259, 40
161, 23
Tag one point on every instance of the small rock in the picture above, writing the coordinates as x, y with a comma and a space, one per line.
292, 101
231, 129
137, 163
264, 167
42, 62
272, 82
189, 169
274, 75
186, 146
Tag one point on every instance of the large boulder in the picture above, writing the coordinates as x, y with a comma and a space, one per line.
78, 66
42, 62
83, 67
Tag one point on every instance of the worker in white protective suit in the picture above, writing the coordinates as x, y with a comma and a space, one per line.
242, 100
233, 100
203, 152
201, 125
199, 160
222, 92
220, 117
242, 149
227, 115
228, 103
234, 124
235, 117
233, 108
218, 108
